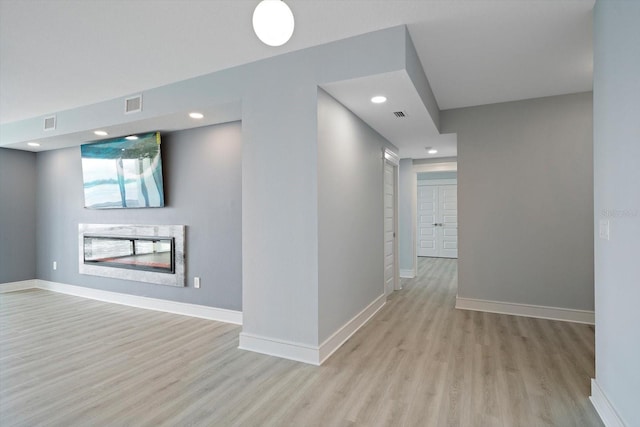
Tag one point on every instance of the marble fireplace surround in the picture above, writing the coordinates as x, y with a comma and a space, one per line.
176, 232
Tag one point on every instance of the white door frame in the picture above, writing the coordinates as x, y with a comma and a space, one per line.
392, 158
425, 167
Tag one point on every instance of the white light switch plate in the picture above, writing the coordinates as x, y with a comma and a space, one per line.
196, 282
604, 229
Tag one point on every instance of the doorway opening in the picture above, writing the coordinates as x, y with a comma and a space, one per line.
435, 218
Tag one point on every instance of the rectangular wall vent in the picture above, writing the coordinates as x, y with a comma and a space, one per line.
399, 114
133, 104
49, 123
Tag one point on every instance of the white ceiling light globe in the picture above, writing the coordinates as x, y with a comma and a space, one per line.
273, 22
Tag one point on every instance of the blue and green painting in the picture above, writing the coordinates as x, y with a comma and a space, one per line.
123, 172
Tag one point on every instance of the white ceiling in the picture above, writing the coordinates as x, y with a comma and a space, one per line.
57, 55
414, 133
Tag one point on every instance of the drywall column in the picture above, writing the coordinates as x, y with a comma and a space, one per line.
616, 90
406, 238
280, 213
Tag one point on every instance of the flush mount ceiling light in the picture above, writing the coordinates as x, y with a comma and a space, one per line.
131, 138
33, 144
195, 115
100, 132
273, 22
379, 99
431, 150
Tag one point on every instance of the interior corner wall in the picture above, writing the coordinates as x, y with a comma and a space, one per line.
616, 91
350, 215
525, 201
17, 215
202, 181
406, 238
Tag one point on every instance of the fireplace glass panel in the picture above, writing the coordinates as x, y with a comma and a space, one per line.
134, 253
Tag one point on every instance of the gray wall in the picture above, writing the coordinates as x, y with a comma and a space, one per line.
419, 79
616, 91
17, 215
406, 240
525, 201
350, 215
202, 179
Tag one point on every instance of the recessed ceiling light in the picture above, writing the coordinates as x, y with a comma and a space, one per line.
379, 99
195, 115
432, 151
100, 133
33, 144
131, 138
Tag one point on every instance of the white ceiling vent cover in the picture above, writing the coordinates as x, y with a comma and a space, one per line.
399, 114
133, 104
49, 123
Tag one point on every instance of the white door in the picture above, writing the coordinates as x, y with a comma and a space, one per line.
389, 229
448, 220
438, 221
427, 205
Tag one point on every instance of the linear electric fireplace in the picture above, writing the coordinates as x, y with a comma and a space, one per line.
134, 253
145, 253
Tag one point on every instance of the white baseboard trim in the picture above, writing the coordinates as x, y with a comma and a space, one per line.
407, 273
280, 348
185, 309
18, 286
541, 312
335, 341
313, 355
603, 407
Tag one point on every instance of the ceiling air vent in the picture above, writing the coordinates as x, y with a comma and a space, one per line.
50, 123
399, 114
133, 104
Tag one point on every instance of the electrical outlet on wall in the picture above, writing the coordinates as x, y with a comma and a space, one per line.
196, 282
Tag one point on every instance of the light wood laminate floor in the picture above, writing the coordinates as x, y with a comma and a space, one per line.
69, 361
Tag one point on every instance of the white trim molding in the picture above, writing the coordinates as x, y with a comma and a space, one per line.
527, 310
603, 406
313, 355
280, 348
407, 273
339, 337
435, 167
391, 157
434, 182
18, 286
175, 307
